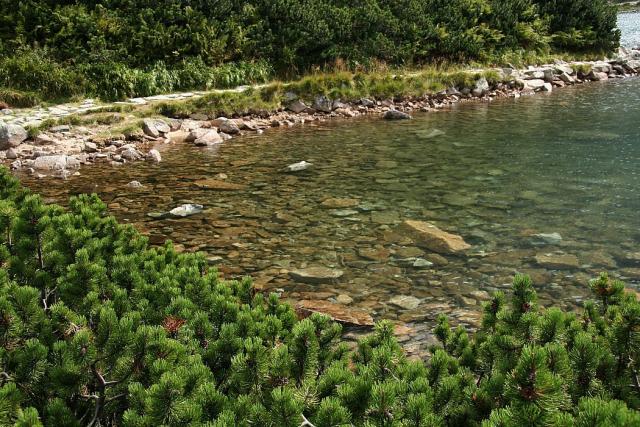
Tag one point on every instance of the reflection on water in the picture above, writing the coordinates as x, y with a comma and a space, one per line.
552, 176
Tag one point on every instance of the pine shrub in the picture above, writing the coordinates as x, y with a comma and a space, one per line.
99, 328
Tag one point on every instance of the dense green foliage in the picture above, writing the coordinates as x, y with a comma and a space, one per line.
96, 328
118, 48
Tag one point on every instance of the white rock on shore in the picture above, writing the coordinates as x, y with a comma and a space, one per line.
11, 135
56, 162
204, 137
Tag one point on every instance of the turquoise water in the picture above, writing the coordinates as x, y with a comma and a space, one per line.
497, 174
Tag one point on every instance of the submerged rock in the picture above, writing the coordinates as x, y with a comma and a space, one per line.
298, 167
135, 184
338, 203
429, 236
558, 261
344, 299
549, 238
433, 133
186, 210
396, 115
154, 156
406, 302
217, 184
315, 275
422, 263
338, 312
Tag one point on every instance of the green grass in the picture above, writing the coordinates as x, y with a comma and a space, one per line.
343, 85
106, 117
19, 99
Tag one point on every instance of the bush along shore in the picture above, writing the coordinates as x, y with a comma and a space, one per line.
59, 140
115, 49
98, 329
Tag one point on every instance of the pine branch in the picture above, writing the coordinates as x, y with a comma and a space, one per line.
306, 422
5, 377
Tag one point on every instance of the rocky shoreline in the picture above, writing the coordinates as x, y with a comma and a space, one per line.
61, 150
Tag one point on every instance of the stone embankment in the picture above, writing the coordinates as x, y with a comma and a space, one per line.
61, 150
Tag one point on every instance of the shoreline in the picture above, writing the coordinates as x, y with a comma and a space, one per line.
61, 150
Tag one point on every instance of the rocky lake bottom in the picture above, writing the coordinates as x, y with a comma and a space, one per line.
546, 185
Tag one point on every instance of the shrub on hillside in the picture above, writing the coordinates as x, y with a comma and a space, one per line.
97, 328
131, 48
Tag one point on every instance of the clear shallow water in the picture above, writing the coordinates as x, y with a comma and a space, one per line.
566, 163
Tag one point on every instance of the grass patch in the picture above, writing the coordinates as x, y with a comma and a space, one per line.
84, 119
19, 99
581, 68
343, 85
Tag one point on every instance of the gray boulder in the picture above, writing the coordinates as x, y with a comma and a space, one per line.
229, 126
11, 154
204, 137
297, 106
322, 103
396, 115
602, 67
155, 127
90, 147
534, 84
365, 102
481, 87
131, 154
559, 69
534, 74
598, 76
634, 64
549, 75
11, 136
567, 78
